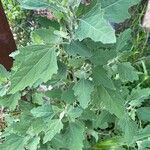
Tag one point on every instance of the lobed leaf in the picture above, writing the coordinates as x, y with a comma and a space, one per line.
83, 89
109, 100
10, 101
38, 62
94, 26
127, 72
53, 127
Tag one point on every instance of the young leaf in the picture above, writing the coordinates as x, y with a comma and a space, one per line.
37, 98
37, 62
53, 127
45, 36
122, 41
73, 113
42, 111
83, 89
68, 96
127, 72
10, 101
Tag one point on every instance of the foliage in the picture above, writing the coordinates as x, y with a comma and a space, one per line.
19, 21
73, 87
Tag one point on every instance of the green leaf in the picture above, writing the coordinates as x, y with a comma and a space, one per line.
101, 56
74, 136
88, 114
76, 62
73, 113
42, 111
144, 113
138, 96
96, 23
10, 101
53, 127
127, 72
53, 5
93, 25
38, 125
3, 74
78, 48
14, 142
129, 128
102, 120
109, 100
54, 94
68, 95
123, 41
83, 89
62, 71
58, 142
144, 145
37, 62
45, 36
117, 10
36, 4
3, 89
46, 23
33, 143
101, 77
143, 133
37, 98
22, 126
26, 107
25, 118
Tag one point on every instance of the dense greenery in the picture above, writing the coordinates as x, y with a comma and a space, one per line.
79, 85
19, 20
